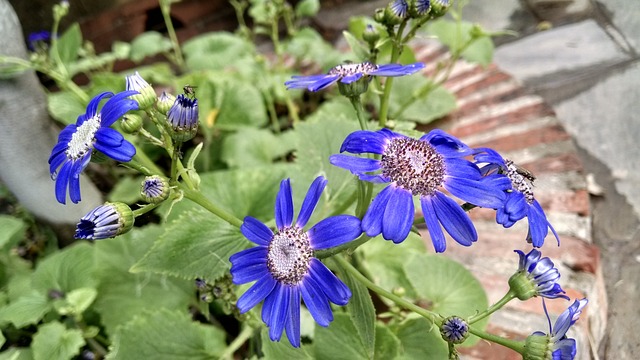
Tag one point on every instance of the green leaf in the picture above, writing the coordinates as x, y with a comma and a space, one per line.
123, 294
253, 147
8, 70
148, 43
2, 339
308, 45
387, 343
76, 301
339, 340
127, 190
361, 310
480, 51
28, 309
429, 103
448, 286
357, 47
307, 8
420, 339
54, 341
196, 245
242, 105
166, 335
216, 51
67, 270
11, 230
65, 107
15, 353
69, 44
456, 35
282, 349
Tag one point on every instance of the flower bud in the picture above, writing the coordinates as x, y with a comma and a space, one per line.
395, 12
106, 221
419, 8
131, 123
439, 7
165, 102
371, 35
183, 118
154, 189
454, 330
146, 95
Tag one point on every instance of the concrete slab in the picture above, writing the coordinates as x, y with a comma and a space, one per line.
624, 15
493, 15
564, 49
603, 121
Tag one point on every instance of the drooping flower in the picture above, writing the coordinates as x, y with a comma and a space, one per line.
105, 221
183, 118
420, 167
145, 96
283, 266
536, 276
556, 345
348, 73
519, 202
91, 131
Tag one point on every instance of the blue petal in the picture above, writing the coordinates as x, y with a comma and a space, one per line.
123, 153
565, 349
250, 256
284, 205
56, 161
62, 181
365, 141
354, 164
334, 231
292, 327
516, 206
74, 179
302, 82
311, 200
538, 226
256, 293
109, 137
376, 179
279, 312
372, 220
489, 156
351, 78
398, 215
337, 292
256, 231
92, 107
538, 208
397, 69
447, 145
462, 168
117, 106
474, 191
454, 220
267, 307
316, 301
433, 225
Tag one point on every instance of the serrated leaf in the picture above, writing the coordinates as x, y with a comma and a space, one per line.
253, 147
448, 286
11, 230
54, 341
123, 294
339, 340
426, 105
65, 107
215, 51
277, 350
196, 245
387, 343
67, 270
76, 301
148, 43
27, 309
69, 44
166, 335
420, 339
361, 311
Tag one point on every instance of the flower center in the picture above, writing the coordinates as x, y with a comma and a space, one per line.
413, 165
520, 181
289, 255
350, 69
82, 140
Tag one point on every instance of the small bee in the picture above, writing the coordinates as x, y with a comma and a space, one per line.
189, 90
524, 172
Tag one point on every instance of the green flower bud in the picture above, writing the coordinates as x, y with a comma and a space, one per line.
371, 35
131, 123
439, 7
154, 189
183, 118
537, 347
105, 221
165, 102
146, 96
355, 88
454, 330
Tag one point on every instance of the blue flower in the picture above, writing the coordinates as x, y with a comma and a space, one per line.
105, 221
283, 266
419, 167
519, 202
183, 118
536, 276
349, 73
556, 345
38, 37
91, 131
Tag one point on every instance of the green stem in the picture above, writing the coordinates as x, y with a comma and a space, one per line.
433, 317
165, 7
199, 199
357, 106
145, 161
493, 308
398, 44
246, 333
517, 346
271, 109
145, 209
147, 135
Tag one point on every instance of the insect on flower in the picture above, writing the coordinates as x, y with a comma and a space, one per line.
190, 91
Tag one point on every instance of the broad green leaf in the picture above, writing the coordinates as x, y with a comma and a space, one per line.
67, 270
15, 353
54, 341
166, 335
107, 81
480, 51
448, 286
148, 43
339, 340
28, 309
65, 107
127, 190
361, 310
419, 100
308, 45
282, 349
123, 294
307, 8
420, 339
11, 230
457, 35
242, 105
76, 301
253, 147
196, 245
69, 44
387, 343
216, 51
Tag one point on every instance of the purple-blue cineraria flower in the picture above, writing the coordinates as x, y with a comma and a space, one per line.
34, 38
420, 167
91, 131
519, 202
283, 266
105, 221
536, 276
556, 345
349, 73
